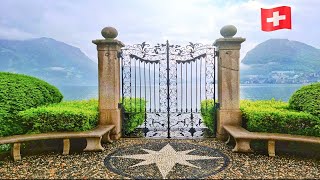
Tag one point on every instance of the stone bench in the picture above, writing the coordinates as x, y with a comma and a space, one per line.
243, 137
93, 138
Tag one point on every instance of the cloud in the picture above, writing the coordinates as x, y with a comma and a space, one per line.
55, 68
14, 34
180, 21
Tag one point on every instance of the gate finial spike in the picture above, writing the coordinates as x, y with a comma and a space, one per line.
109, 32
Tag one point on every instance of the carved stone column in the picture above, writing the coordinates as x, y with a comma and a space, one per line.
109, 79
228, 79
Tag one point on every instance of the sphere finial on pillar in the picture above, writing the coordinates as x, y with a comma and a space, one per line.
109, 32
228, 31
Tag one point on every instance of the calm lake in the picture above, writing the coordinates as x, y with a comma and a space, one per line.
247, 91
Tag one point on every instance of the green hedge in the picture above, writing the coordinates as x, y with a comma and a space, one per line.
65, 116
208, 114
20, 92
307, 98
135, 113
270, 116
77, 116
276, 117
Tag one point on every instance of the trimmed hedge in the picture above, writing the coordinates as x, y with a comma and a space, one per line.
208, 114
135, 113
76, 116
276, 117
65, 116
307, 98
20, 92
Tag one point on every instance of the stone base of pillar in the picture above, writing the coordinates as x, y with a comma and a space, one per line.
222, 137
227, 117
115, 136
111, 116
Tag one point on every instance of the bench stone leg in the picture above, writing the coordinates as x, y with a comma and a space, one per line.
271, 148
16, 151
66, 146
94, 144
228, 140
242, 145
106, 138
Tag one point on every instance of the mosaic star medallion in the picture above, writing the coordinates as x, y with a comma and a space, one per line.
166, 160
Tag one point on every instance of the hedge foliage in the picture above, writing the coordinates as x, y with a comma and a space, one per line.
307, 98
77, 116
135, 113
64, 116
208, 113
20, 92
276, 117
269, 116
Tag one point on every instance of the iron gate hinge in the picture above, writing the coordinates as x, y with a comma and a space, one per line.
217, 105
120, 54
216, 53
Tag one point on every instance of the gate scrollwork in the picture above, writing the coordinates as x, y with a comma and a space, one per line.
173, 79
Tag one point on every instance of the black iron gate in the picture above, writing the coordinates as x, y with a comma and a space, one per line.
165, 88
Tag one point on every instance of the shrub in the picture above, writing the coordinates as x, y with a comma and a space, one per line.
20, 92
5, 123
5, 148
276, 117
65, 116
307, 99
269, 116
77, 116
208, 114
135, 113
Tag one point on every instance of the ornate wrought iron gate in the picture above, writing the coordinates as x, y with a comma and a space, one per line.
163, 87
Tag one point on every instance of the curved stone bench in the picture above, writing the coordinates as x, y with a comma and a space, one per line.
243, 137
93, 138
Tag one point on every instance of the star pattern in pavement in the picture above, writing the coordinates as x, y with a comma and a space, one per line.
166, 158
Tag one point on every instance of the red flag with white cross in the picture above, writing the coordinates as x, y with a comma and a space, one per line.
276, 18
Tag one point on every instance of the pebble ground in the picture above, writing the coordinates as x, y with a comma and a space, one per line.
90, 165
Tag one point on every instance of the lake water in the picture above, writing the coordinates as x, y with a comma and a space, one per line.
247, 91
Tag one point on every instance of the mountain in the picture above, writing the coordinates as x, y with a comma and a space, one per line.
53, 61
281, 61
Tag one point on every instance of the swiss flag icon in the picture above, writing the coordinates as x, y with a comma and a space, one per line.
276, 18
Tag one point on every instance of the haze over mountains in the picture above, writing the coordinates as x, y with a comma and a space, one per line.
273, 61
53, 61
281, 61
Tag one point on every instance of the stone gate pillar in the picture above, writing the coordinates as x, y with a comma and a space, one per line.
109, 79
228, 79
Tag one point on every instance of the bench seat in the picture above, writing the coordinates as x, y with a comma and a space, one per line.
93, 138
243, 137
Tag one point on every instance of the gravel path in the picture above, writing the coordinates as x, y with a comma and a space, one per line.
86, 165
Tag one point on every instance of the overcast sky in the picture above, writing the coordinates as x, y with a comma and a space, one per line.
78, 22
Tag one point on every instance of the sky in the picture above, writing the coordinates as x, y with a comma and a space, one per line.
78, 22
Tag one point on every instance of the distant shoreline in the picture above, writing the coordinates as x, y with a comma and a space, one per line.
194, 84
